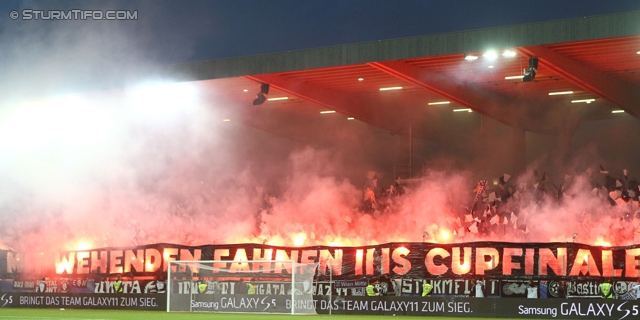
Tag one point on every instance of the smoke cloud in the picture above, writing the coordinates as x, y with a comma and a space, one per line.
154, 162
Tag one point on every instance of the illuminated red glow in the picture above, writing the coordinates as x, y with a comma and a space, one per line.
445, 236
601, 242
320, 215
299, 239
83, 245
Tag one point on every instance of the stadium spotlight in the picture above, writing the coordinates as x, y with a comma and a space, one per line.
530, 72
261, 97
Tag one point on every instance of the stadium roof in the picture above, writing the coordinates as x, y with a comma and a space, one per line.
593, 57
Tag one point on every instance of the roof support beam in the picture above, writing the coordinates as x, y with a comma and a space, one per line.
528, 115
623, 94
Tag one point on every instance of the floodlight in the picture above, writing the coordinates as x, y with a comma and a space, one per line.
557, 93
491, 55
438, 102
530, 72
583, 100
390, 88
260, 99
529, 75
261, 96
264, 88
509, 54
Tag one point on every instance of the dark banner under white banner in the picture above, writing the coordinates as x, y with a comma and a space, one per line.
383, 287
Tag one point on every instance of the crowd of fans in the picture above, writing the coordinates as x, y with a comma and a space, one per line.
505, 208
500, 208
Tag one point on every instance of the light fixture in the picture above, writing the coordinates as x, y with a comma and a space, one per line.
261, 96
617, 111
463, 110
509, 54
226, 120
438, 102
557, 93
491, 55
246, 90
638, 52
351, 118
470, 57
530, 72
491, 67
360, 79
327, 111
583, 100
278, 98
513, 77
390, 88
